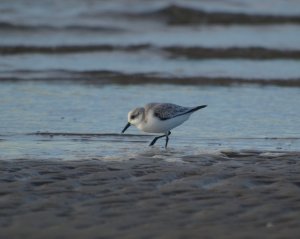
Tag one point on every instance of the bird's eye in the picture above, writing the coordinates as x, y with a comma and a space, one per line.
132, 117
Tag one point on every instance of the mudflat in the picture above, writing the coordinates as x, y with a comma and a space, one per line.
231, 194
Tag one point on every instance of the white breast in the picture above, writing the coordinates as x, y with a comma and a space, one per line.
155, 125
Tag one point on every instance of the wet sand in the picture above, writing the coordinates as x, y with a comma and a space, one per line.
65, 65
242, 194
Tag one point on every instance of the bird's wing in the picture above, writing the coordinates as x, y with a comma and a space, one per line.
167, 111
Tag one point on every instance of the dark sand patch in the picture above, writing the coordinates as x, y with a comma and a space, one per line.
232, 195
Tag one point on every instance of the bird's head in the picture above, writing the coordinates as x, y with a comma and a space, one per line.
135, 117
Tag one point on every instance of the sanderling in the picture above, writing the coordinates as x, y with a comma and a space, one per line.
159, 118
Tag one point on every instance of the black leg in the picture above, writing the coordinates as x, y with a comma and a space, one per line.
158, 137
155, 139
167, 139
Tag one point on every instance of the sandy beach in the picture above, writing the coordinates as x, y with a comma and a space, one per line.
70, 71
228, 195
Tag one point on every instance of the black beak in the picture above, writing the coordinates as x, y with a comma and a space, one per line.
126, 127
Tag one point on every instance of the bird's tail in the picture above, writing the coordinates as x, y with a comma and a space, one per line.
196, 108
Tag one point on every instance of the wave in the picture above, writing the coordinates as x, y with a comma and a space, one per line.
112, 77
171, 15
8, 26
179, 15
171, 51
232, 52
4, 50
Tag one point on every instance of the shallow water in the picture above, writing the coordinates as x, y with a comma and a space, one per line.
46, 37
148, 63
75, 68
88, 119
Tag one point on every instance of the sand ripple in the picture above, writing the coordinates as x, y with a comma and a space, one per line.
230, 195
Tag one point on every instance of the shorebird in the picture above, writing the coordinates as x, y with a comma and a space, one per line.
159, 118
